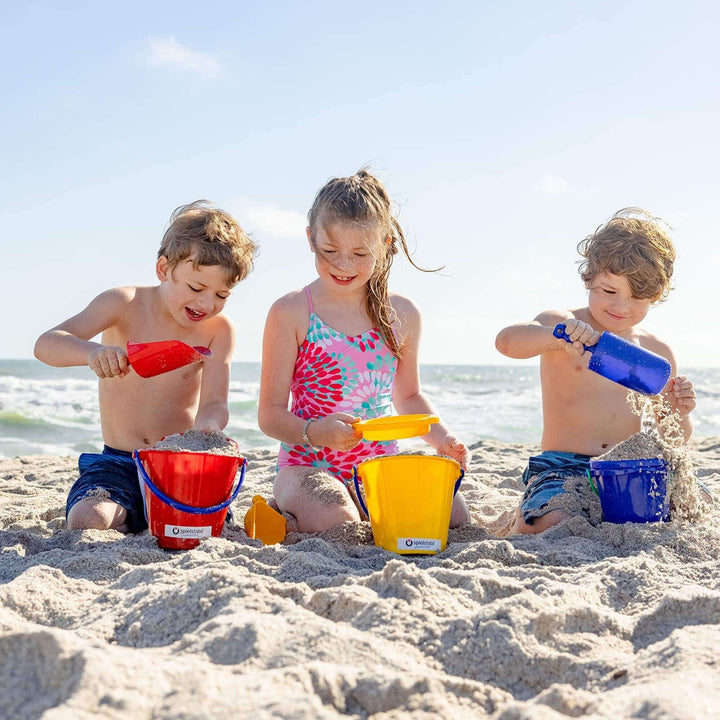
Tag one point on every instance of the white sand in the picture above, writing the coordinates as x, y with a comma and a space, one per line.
584, 622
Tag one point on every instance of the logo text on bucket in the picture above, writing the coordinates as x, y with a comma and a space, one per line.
410, 543
188, 531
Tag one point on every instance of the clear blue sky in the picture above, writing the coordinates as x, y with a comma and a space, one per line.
505, 132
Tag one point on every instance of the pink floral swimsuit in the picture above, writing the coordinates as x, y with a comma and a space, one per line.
339, 373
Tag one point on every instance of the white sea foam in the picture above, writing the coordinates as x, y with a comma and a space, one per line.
52, 411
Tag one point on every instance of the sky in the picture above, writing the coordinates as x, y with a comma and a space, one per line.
505, 132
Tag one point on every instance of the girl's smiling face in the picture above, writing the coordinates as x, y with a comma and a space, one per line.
612, 304
345, 254
193, 294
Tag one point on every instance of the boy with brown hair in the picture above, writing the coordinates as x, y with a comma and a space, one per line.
203, 255
627, 268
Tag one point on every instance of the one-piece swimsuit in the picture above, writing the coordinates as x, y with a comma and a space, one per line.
340, 373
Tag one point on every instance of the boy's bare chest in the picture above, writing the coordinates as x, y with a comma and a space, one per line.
139, 325
573, 384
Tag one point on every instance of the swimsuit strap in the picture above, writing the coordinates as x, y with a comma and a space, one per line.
309, 299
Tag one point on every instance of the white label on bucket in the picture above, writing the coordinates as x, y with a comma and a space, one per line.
188, 531
425, 544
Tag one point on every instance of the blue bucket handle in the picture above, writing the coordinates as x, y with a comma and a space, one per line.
362, 502
189, 508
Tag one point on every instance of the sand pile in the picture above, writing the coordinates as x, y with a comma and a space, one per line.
215, 443
661, 434
582, 621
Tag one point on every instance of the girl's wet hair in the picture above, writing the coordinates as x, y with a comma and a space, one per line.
635, 244
361, 199
212, 237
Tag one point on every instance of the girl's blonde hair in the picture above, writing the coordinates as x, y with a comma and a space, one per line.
212, 236
362, 199
635, 244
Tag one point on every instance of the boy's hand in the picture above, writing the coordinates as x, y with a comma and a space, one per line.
335, 431
208, 427
453, 448
108, 361
581, 335
680, 395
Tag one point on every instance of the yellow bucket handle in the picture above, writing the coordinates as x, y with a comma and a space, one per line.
362, 502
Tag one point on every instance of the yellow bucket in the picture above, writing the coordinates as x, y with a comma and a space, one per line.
408, 499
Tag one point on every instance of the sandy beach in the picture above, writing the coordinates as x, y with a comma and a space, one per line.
607, 621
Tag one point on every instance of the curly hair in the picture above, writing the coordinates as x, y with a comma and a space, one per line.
635, 244
212, 237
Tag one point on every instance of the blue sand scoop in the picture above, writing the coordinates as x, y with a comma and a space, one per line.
622, 362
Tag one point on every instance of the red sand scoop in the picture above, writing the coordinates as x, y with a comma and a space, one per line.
155, 358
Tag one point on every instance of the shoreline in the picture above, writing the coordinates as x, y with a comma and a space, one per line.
585, 621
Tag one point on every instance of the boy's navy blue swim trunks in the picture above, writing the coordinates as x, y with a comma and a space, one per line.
115, 472
544, 478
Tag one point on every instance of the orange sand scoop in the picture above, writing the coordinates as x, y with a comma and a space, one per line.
154, 358
395, 427
263, 523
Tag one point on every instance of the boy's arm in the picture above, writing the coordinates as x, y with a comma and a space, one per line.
526, 340
408, 397
213, 414
69, 343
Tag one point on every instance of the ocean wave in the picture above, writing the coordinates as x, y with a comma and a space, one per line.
55, 410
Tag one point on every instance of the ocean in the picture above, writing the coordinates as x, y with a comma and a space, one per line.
54, 411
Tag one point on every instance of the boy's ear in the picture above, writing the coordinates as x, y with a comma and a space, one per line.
162, 269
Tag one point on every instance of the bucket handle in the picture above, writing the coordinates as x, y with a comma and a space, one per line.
362, 502
358, 493
592, 484
189, 508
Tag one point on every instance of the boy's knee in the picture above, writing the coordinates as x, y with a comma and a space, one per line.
90, 514
539, 524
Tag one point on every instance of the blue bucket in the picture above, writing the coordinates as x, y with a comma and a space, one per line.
631, 490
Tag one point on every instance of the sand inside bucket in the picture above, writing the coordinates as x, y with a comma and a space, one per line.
214, 443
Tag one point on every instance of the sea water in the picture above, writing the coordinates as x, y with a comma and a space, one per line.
54, 411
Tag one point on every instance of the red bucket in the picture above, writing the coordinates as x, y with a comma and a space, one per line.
187, 494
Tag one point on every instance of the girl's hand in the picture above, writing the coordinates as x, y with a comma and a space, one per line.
453, 448
581, 335
108, 361
335, 431
680, 395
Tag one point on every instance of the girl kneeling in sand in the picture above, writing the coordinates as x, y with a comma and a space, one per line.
347, 350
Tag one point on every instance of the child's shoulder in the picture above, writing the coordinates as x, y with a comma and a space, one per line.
404, 306
292, 299
123, 295
650, 341
293, 304
553, 317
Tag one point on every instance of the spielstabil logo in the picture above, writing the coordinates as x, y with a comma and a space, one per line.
419, 544
188, 531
